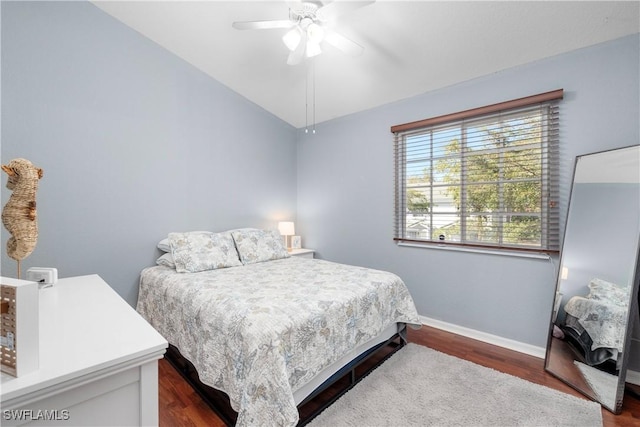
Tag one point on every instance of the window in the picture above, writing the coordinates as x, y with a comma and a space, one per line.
486, 177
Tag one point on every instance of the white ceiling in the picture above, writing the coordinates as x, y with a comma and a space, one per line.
411, 47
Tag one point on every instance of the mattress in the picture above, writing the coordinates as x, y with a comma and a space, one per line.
264, 332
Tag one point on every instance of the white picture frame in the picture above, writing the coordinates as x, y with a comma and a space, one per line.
296, 242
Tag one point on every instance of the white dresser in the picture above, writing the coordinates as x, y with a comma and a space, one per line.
98, 362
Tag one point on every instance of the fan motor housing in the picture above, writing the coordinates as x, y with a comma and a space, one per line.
306, 9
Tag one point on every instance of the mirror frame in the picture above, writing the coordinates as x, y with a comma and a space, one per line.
634, 304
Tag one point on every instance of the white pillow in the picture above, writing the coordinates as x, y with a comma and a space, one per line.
166, 260
255, 245
200, 251
164, 246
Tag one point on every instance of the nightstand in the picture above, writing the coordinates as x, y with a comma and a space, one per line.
302, 253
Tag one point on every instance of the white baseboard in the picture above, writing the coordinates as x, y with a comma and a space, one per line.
632, 376
485, 337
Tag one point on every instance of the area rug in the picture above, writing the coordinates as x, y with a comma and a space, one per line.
604, 385
419, 386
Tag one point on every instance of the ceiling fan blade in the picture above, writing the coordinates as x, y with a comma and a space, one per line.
346, 45
297, 55
336, 8
262, 25
293, 4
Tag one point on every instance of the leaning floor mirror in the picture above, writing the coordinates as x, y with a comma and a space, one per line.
596, 300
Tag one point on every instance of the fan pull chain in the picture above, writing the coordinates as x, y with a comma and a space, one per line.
310, 70
313, 65
306, 101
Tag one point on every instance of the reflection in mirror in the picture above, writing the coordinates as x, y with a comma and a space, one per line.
596, 293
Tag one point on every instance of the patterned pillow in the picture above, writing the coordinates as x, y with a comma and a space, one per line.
255, 245
164, 246
609, 293
200, 251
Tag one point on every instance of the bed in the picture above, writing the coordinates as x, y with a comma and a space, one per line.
270, 329
596, 322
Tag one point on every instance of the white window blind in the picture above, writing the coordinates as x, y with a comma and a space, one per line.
486, 177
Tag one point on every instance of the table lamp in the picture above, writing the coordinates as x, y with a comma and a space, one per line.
286, 228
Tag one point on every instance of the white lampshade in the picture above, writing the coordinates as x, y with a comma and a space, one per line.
315, 33
292, 38
286, 228
313, 49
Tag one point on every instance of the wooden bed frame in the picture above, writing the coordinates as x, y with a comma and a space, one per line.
322, 397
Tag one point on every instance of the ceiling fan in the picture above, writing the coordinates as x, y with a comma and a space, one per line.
308, 28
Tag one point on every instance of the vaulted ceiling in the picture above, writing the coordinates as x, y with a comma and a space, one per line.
410, 47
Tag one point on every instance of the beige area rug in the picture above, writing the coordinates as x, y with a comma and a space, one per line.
604, 385
419, 386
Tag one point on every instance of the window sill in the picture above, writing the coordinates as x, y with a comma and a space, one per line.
484, 251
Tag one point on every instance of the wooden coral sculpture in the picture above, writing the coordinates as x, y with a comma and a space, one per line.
19, 214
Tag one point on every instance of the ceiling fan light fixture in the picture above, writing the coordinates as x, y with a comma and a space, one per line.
292, 38
315, 33
305, 28
313, 49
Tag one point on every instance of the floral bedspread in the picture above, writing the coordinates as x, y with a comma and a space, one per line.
258, 332
605, 323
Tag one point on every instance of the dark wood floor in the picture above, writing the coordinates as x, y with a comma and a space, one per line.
181, 406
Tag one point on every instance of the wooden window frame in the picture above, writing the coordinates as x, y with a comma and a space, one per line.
550, 239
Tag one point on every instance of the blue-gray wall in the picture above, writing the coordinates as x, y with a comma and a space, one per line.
134, 143
345, 187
